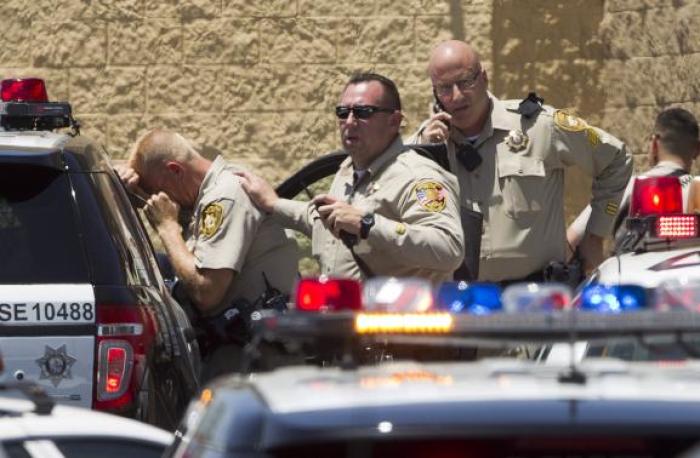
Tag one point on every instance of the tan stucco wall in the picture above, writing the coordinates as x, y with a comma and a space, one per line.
257, 80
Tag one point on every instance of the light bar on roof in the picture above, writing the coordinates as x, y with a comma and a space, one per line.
403, 323
676, 226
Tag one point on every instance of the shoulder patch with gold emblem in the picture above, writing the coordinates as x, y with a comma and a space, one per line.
210, 219
566, 121
431, 195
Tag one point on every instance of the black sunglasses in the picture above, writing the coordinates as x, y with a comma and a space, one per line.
360, 111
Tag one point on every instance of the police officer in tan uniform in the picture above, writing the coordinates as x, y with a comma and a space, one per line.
509, 158
233, 251
389, 211
673, 148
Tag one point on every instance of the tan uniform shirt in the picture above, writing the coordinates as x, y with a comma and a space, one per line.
229, 232
417, 230
519, 186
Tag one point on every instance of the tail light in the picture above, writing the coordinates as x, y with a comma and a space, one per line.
655, 196
23, 90
125, 334
328, 294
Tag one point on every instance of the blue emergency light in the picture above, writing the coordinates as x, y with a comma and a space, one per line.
613, 298
475, 298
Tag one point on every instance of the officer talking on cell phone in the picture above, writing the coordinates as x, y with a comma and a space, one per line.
509, 157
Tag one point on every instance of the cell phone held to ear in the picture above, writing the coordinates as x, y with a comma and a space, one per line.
438, 107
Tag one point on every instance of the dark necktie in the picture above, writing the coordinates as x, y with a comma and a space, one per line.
467, 155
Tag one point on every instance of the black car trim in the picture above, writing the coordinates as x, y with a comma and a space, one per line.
474, 419
44, 330
41, 157
674, 262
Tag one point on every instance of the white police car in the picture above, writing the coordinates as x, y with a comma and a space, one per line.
84, 311
662, 242
490, 408
33, 427
660, 252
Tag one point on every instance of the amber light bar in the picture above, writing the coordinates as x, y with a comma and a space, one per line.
405, 323
676, 227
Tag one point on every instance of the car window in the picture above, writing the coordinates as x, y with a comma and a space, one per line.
124, 232
108, 448
39, 239
14, 450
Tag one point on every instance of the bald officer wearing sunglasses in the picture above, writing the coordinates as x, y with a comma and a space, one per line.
510, 157
389, 211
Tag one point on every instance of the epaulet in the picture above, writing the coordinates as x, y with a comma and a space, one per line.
530, 105
436, 152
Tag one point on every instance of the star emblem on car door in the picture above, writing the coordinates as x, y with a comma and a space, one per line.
55, 365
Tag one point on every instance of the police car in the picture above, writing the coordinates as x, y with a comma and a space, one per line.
660, 251
33, 427
661, 242
502, 407
84, 311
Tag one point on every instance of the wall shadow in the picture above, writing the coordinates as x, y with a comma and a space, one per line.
552, 47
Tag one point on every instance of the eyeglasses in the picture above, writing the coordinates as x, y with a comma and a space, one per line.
463, 84
360, 111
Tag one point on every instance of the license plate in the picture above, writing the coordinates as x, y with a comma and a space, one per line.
46, 304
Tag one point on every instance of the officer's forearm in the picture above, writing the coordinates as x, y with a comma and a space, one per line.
202, 290
294, 215
608, 189
427, 246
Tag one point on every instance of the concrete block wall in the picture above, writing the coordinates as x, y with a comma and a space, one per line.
257, 79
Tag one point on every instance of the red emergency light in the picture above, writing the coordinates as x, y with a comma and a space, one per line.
328, 294
656, 196
676, 227
23, 90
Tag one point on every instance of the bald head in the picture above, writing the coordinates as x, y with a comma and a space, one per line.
158, 146
460, 85
452, 54
167, 162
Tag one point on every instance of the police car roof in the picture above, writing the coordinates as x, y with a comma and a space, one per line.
18, 422
497, 398
52, 149
300, 389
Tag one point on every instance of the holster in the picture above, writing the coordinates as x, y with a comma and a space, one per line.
234, 324
570, 273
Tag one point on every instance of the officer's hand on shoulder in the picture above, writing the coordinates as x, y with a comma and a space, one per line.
438, 128
259, 190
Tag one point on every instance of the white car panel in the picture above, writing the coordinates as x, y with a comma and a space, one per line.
651, 268
72, 422
34, 358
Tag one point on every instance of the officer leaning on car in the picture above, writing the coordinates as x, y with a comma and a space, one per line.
673, 146
389, 211
234, 256
509, 158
